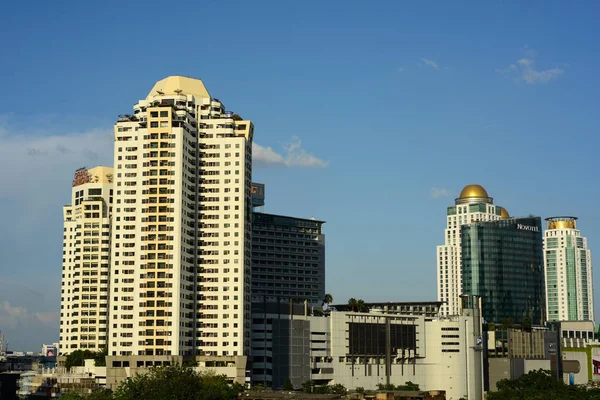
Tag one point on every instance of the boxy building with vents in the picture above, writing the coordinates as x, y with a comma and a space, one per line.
364, 349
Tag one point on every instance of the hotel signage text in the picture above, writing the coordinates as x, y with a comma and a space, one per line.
529, 228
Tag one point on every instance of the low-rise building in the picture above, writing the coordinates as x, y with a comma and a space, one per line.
364, 349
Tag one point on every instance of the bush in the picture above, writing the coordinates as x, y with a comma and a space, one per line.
288, 385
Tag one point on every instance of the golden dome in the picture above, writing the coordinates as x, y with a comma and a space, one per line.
504, 213
473, 191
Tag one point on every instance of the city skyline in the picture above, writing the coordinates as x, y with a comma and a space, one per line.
407, 111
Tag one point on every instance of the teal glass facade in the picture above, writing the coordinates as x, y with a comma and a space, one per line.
502, 261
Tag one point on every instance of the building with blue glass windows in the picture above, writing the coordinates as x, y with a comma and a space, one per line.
502, 261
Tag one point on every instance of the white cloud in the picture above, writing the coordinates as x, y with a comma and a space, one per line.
439, 192
265, 155
47, 160
294, 155
524, 70
430, 63
13, 317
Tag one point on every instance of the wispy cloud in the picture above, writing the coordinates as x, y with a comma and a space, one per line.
401, 69
293, 155
430, 63
524, 70
13, 317
439, 192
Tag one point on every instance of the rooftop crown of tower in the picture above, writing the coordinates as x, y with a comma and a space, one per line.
562, 222
474, 194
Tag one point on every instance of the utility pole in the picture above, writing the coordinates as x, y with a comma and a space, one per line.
388, 351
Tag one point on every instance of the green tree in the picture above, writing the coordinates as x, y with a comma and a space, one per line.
361, 306
338, 388
540, 385
507, 323
100, 395
288, 385
307, 386
75, 359
100, 357
408, 386
360, 389
352, 304
71, 396
328, 299
176, 382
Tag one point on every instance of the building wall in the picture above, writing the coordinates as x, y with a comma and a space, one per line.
350, 348
288, 258
503, 264
568, 269
181, 240
86, 261
449, 256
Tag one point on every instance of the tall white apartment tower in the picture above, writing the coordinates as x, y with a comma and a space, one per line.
85, 266
568, 268
472, 205
181, 253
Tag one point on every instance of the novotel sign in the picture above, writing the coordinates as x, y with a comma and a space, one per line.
530, 228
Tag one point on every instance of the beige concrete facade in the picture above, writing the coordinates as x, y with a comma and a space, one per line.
568, 272
119, 368
85, 269
472, 205
180, 282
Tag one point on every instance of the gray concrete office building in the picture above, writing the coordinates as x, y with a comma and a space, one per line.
288, 258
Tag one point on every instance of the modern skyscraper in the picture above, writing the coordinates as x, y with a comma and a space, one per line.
568, 268
472, 205
288, 255
502, 263
85, 266
181, 248
288, 258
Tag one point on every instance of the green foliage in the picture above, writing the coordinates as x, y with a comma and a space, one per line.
357, 305
328, 299
71, 396
360, 306
507, 323
310, 387
352, 304
410, 386
100, 357
360, 389
338, 388
176, 382
101, 395
540, 385
288, 385
76, 358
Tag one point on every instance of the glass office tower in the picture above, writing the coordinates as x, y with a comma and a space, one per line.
503, 263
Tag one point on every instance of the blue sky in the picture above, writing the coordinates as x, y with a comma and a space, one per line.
371, 116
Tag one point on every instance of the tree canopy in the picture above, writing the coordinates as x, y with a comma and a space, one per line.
76, 358
540, 385
177, 383
168, 383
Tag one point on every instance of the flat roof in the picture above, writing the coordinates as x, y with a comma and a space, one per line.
287, 216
